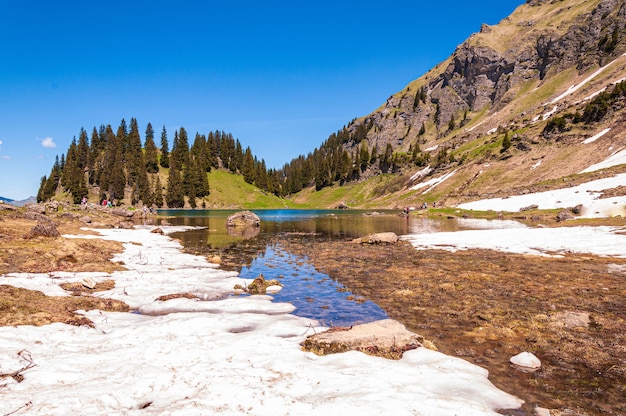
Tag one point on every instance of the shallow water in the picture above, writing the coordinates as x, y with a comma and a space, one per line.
314, 294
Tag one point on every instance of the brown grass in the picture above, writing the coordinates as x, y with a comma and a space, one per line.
47, 254
486, 306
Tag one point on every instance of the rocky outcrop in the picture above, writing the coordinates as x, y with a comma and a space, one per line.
478, 76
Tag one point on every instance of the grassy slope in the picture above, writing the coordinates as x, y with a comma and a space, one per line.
231, 191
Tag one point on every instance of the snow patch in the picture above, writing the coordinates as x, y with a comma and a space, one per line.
432, 182
597, 136
617, 158
586, 194
234, 355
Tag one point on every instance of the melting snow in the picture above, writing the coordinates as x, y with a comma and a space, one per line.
586, 194
617, 158
597, 136
432, 182
232, 355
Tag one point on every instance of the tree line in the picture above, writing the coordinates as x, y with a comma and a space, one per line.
118, 166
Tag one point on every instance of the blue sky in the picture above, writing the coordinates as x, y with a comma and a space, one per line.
281, 76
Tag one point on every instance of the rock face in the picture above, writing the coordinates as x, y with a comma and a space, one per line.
388, 338
480, 75
243, 219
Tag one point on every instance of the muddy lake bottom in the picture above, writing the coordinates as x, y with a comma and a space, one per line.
480, 305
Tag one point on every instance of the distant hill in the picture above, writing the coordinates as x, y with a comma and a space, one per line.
30, 200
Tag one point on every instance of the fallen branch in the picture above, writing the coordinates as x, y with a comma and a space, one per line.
17, 375
25, 405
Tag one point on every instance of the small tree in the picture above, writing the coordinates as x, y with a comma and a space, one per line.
506, 142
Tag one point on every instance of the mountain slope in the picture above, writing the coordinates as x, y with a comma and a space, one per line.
485, 118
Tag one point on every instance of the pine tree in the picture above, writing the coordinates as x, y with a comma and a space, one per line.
174, 196
158, 192
165, 150
247, 169
42, 188
151, 154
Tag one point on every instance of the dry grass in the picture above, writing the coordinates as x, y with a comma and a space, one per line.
486, 306
47, 254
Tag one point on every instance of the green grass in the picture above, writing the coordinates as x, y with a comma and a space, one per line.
231, 191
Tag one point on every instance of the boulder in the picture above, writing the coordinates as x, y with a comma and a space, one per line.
157, 231
126, 225
121, 212
243, 219
45, 228
378, 238
564, 215
386, 338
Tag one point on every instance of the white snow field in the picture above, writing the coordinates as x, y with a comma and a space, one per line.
230, 355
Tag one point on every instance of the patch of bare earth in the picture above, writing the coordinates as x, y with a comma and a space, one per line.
22, 253
486, 306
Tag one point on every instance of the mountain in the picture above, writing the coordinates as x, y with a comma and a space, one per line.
7, 200
532, 103
526, 104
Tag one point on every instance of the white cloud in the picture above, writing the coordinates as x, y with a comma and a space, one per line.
4, 157
48, 143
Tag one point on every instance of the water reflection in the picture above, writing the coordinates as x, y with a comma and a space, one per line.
315, 295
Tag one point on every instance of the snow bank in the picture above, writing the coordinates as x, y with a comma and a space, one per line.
232, 355
586, 194
617, 158
431, 183
602, 241
596, 136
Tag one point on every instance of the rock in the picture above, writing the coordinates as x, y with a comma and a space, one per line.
88, 282
45, 228
157, 231
243, 219
343, 205
386, 338
86, 219
215, 259
259, 286
126, 225
571, 319
378, 238
121, 212
165, 223
526, 360
564, 215
38, 208
577, 210
529, 208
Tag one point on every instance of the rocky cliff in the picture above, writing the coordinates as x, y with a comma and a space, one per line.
539, 42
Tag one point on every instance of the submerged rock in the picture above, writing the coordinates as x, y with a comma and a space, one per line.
378, 238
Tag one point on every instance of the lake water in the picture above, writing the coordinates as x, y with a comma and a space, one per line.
258, 251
